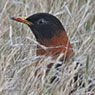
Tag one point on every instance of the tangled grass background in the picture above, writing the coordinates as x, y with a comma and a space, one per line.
17, 49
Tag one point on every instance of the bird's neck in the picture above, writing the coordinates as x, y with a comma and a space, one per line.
56, 45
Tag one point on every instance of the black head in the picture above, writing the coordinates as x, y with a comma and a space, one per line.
44, 25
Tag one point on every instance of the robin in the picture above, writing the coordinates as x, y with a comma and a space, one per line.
50, 33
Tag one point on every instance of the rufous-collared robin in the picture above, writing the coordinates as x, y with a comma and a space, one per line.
50, 33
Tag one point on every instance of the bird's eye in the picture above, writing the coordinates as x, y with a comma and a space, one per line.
41, 21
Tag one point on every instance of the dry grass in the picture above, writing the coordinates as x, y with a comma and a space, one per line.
17, 48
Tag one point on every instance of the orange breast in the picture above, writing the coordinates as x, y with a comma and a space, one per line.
56, 45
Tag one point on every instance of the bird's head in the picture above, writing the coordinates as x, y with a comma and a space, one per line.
49, 32
43, 25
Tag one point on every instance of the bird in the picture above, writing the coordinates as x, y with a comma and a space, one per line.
49, 32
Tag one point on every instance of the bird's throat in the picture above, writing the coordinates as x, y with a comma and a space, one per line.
56, 45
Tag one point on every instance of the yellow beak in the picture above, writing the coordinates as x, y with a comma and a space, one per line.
22, 19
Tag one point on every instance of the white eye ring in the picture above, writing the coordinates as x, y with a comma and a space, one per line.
41, 21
